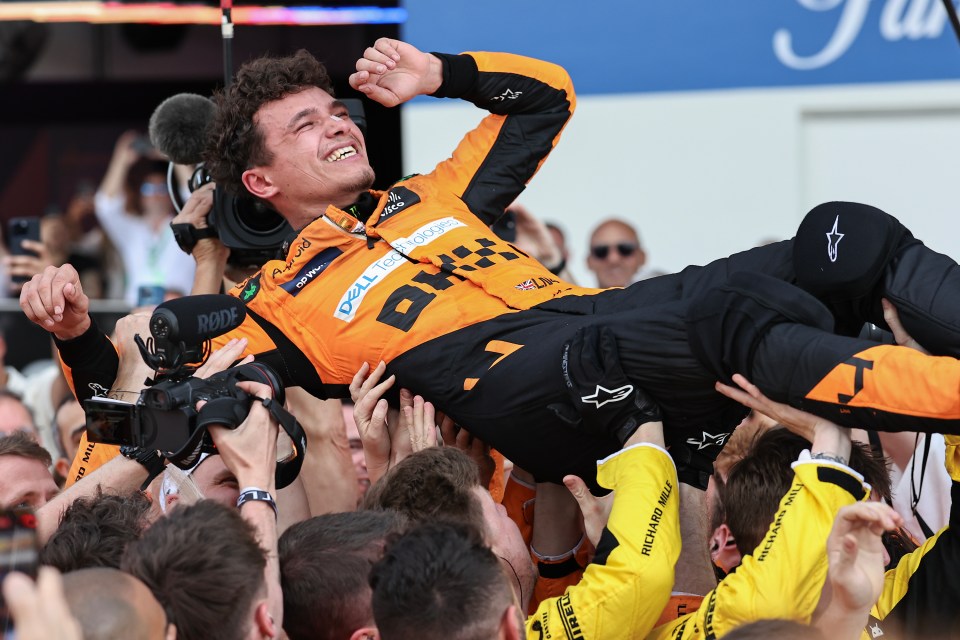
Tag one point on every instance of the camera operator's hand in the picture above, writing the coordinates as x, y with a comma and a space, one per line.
209, 253
250, 450
392, 72
195, 213
55, 300
133, 372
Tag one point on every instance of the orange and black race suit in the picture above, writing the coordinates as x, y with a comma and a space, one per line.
472, 323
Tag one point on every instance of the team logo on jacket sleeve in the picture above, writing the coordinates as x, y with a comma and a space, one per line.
833, 241
709, 440
251, 289
535, 283
603, 396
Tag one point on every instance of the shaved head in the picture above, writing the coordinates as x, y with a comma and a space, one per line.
615, 253
112, 605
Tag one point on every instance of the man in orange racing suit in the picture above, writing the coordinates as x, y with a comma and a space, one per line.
541, 369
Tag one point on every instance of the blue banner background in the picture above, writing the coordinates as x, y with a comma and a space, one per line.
618, 46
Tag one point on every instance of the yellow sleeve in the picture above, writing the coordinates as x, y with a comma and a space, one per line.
784, 576
924, 584
626, 587
952, 443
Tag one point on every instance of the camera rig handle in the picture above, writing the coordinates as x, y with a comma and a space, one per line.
228, 413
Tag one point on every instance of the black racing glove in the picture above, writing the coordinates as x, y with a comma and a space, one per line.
603, 401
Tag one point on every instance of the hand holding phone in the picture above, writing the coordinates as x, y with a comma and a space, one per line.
18, 231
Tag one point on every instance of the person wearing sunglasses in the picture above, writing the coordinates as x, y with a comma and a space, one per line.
615, 254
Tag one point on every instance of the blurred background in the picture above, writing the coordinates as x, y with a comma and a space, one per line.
711, 127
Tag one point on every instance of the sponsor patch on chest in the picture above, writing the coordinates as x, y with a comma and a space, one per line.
311, 270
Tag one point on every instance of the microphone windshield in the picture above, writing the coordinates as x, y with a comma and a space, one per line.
196, 319
179, 126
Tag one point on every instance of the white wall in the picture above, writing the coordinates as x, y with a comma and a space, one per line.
704, 174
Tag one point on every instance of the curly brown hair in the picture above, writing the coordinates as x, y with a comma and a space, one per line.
235, 142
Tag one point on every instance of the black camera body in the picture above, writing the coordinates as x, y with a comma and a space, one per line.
252, 231
165, 418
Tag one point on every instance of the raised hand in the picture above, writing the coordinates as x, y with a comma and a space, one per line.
55, 300
392, 72
419, 417
39, 610
799, 422
892, 318
596, 511
370, 412
855, 552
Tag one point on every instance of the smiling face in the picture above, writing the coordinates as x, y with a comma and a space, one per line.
318, 156
615, 254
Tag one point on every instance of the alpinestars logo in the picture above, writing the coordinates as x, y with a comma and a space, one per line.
833, 239
508, 95
604, 396
99, 391
709, 440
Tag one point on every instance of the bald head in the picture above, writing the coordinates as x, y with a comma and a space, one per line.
14, 415
615, 253
112, 605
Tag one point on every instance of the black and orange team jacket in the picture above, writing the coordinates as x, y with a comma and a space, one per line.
472, 323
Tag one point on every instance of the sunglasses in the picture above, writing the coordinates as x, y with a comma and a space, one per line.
148, 189
625, 249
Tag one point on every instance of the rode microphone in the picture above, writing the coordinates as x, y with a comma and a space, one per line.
182, 328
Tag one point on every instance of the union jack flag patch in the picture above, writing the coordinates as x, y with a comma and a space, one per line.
526, 285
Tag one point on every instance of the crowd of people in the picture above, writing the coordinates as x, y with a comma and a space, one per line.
492, 450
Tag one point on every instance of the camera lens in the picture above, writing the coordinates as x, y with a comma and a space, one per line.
259, 220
